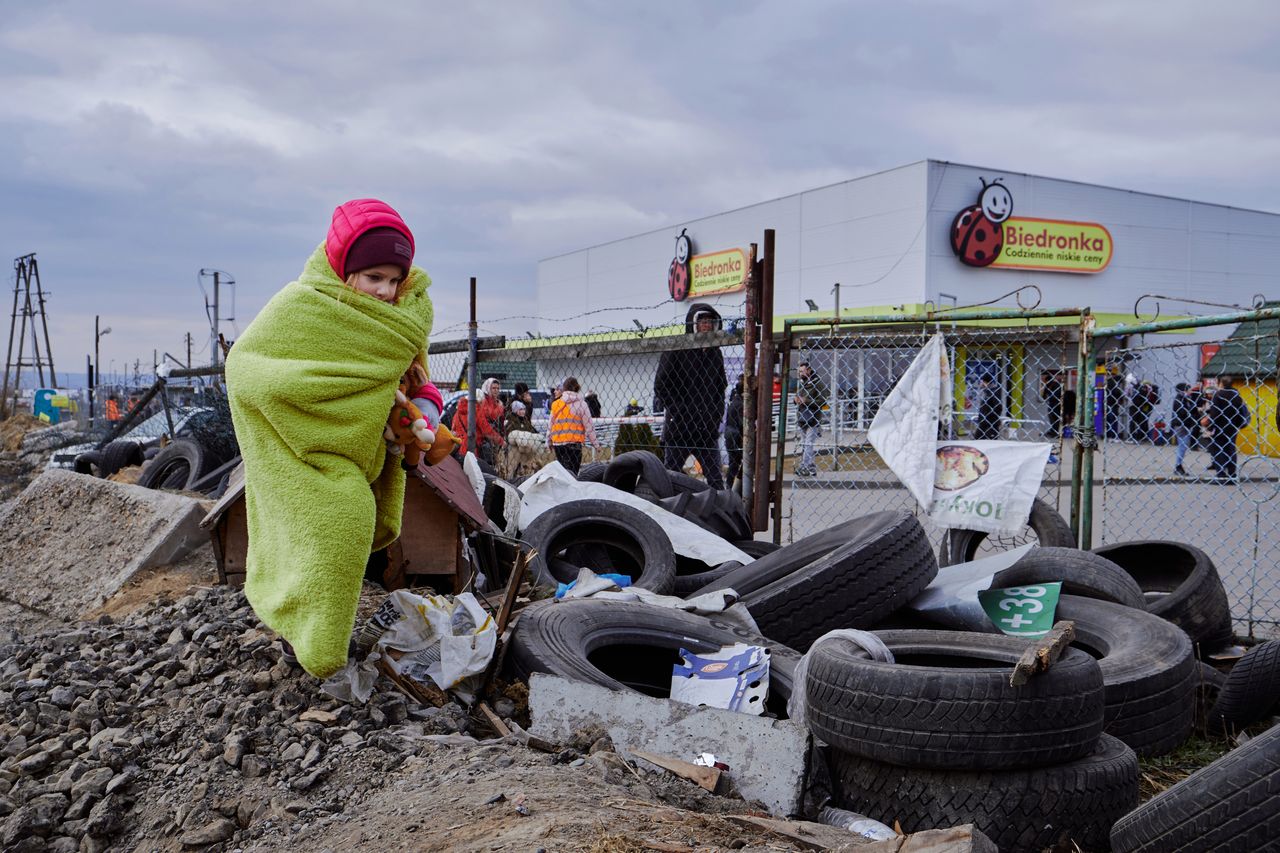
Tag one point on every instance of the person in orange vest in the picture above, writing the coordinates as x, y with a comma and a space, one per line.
571, 426
113, 408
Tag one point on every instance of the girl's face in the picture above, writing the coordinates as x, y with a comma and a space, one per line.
381, 282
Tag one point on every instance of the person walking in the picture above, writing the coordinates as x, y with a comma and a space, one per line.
1185, 422
571, 426
691, 385
1227, 415
809, 396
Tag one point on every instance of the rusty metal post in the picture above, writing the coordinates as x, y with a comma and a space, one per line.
472, 357
779, 471
750, 335
764, 403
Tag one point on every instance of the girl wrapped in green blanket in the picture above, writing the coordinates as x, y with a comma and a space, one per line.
311, 383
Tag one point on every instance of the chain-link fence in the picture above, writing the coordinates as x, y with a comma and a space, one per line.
1012, 381
667, 389
1189, 452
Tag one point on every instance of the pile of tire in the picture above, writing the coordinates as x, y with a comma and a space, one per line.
938, 738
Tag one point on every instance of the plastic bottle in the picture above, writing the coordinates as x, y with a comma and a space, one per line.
856, 823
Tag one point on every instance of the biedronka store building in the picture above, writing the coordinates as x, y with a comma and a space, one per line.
916, 237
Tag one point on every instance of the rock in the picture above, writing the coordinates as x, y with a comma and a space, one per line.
211, 709
216, 832
93, 782
252, 766
106, 818
313, 757
63, 697
315, 715
234, 753
6, 806
504, 707
34, 765
29, 845
63, 844
293, 752
35, 819
105, 735
307, 782
351, 740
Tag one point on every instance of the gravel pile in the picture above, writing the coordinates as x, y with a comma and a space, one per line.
183, 724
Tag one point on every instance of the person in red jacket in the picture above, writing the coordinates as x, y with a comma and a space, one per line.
490, 414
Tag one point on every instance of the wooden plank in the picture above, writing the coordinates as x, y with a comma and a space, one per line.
451, 485
495, 722
513, 589
1040, 656
625, 346
705, 777
805, 835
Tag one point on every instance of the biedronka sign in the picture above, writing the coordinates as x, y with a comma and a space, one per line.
988, 235
705, 275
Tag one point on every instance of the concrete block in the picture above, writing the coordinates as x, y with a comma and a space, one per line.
70, 541
767, 758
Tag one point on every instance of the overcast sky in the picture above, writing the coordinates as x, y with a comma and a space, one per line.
142, 141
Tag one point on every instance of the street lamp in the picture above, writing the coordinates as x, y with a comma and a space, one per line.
97, 363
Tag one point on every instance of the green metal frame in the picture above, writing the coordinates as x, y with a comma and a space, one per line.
1084, 407
1089, 365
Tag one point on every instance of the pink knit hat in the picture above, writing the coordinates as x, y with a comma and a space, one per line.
353, 220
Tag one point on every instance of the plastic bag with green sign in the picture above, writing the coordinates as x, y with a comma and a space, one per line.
1022, 611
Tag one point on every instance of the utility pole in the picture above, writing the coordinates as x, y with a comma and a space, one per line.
26, 271
217, 284
188, 350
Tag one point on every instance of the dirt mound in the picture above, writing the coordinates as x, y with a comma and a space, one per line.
13, 429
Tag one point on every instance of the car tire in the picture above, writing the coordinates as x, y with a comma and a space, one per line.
119, 454
1050, 528
719, 511
1250, 692
756, 548
178, 466
87, 462
1231, 804
692, 575
1021, 811
946, 702
630, 469
626, 645
637, 545
592, 472
885, 561
1149, 674
1180, 584
1080, 572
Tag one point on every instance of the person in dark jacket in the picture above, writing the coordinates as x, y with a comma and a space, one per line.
990, 409
691, 384
1185, 422
733, 431
1227, 415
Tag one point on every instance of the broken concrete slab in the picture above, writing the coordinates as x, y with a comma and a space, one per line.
70, 541
766, 758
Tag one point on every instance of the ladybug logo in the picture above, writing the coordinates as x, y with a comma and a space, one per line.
678, 273
977, 233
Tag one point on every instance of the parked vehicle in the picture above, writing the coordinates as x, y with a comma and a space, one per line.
147, 434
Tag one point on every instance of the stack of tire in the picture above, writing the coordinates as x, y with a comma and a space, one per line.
848, 576
939, 738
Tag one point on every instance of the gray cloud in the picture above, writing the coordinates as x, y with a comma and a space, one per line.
144, 140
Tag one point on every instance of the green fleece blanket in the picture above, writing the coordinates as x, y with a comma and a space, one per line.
311, 382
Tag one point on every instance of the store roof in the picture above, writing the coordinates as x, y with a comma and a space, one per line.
1250, 352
